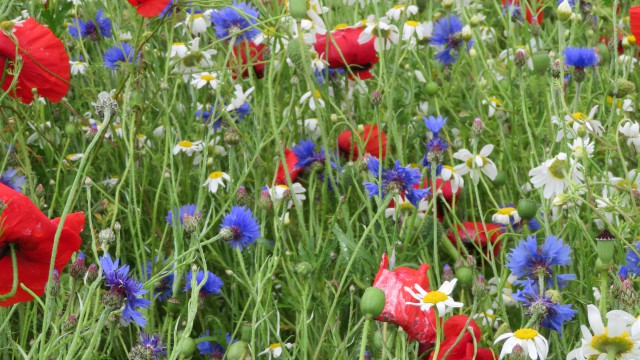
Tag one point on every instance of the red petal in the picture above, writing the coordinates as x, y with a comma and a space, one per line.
292, 160
375, 142
634, 21
255, 59
454, 347
470, 232
24, 225
348, 53
418, 324
149, 8
45, 62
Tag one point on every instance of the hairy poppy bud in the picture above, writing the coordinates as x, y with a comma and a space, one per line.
622, 88
238, 350
298, 9
187, 347
372, 302
295, 53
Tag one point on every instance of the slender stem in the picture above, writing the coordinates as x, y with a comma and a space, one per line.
365, 333
14, 265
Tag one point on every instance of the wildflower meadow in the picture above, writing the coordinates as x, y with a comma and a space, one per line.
319, 179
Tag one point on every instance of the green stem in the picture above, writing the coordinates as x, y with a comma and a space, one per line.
14, 265
365, 333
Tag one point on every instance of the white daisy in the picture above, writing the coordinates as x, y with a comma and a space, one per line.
474, 163
72, 158
216, 179
314, 100
402, 207
582, 148
142, 140
617, 337
439, 298
275, 350
198, 23
188, 147
78, 67
111, 182
494, 104
179, 50
204, 78
555, 175
574, 122
414, 29
506, 216
631, 130
488, 319
283, 192
385, 34
311, 127
530, 340
396, 12
448, 173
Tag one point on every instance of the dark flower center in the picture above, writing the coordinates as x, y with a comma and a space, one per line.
455, 40
237, 232
4, 250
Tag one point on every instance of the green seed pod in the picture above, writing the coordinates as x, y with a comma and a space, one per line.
432, 88
604, 52
606, 245
298, 9
501, 179
187, 347
239, 350
622, 88
527, 209
540, 61
304, 268
372, 302
295, 53
70, 129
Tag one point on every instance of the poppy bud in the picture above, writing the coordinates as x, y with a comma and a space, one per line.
432, 88
500, 179
303, 268
605, 243
91, 275
78, 268
372, 302
622, 88
540, 61
464, 275
295, 53
187, 347
527, 209
298, 9
173, 305
239, 350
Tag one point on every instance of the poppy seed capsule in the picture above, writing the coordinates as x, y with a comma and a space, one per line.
187, 347
372, 302
239, 350
298, 9
606, 245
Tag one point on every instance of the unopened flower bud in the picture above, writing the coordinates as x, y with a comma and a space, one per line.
242, 197
477, 127
527, 209
55, 286
239, 350
265, 201
376, 97
106, 237
466, 33
191, 223
474, 21
447, 273
78, 268
372, 302
232, 137
173, 305
91, 275
480, 287
113, 300
622, 88
70, 323
39, 190
520, 58
564, 11
117, 226
303, 268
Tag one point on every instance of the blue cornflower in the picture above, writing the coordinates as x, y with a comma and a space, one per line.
117, 54
240, 228
529, 261
437, 144
623, 273
399, 178
91, 29
212, 348
123, 287
633, 259
236, 21
552, 315
327, 74
446, 33
211, 286
164, 288
153, 344
11, 179
169, 10
435, 124
189, 209
307, 155
580, 57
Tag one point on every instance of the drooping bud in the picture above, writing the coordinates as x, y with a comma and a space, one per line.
372, 302
622, 88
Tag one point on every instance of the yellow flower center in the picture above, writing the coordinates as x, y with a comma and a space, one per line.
434, 297
449, 167
317, 94
71, 156
506, 211
579, 116
412, 23
610, 101
557, 168
341, 26
78, 63
632, 39
141, 136
282, 186
398, 7
495, 100
197, 16
617, 344
471, 161
525, 334
275, 346
216, 175
207, 77
185, 144
178, 44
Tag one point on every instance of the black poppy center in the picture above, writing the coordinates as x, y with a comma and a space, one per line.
4, 250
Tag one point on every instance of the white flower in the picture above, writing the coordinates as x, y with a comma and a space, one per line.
531, 342
555, 175
387, 34
401, 207
141, 140
188, 147
198, 23
494, 104
202, 79
474, 163
448, 173
78, 67
311, 127
314, 100
72, 158
216, 179
631, 130
505, 215
111, 182
414, 29
240, 98
488, 318
617, 336
582, 148
283, 192
575, 121
396, 12
275, 350
439, 298
194, 60
179, 50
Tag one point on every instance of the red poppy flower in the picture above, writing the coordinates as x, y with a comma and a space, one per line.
292, 160
473, 232
462, 349
360, 58
634, 21
374, 140
418, 324
149, 8
247, 54
32, 234
45, 63
531, 19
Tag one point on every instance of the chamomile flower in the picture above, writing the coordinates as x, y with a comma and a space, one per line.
205, 78
283, 192
440, 298
72, 158
582, 148
311, 127
179, 50
188, 147
488, 318
449, 173
555, 175
415, 30
530, 340
507, 290
494, 104
506, 215
574, 122
78, 67
475, 163
397, 11
385, 34
215, 180
275, 350
402, 207
616, 338
631, 130
198, 22
314, 99
240, 98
